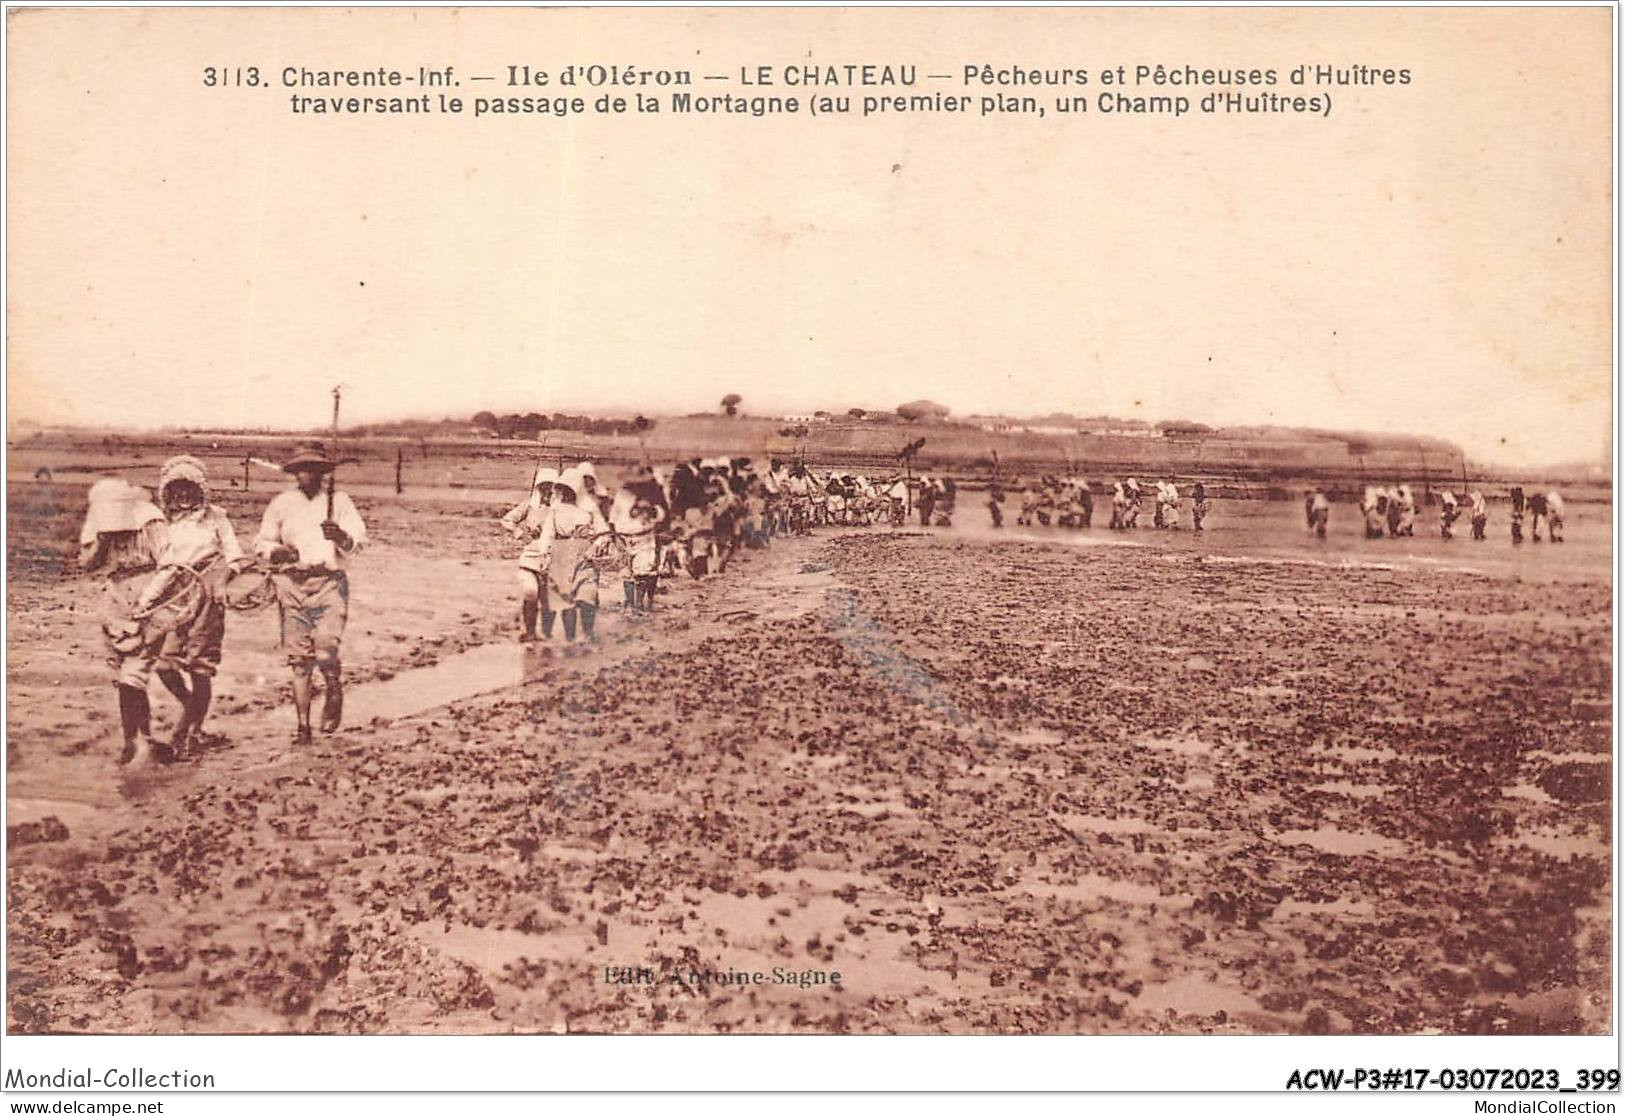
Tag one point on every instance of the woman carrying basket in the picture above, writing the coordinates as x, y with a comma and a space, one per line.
199, 540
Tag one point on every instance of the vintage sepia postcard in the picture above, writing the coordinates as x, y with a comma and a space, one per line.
810, 521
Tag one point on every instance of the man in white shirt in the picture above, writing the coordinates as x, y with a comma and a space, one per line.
1554, 516
308, 537
1481, 513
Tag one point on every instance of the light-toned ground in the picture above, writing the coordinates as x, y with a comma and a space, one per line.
1001, 784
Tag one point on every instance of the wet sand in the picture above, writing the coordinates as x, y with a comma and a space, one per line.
1097, 784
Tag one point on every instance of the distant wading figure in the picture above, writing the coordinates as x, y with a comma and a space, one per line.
1317, 512
308, 554
572, 579
1554, 516
643, 555
1481, 514
1401, 512
636, 521
928, 500
1168, 501
1449, 512
1539, 509
1119, 506
1517, 513
1200, 506
947, 497
1375, 508
524, 521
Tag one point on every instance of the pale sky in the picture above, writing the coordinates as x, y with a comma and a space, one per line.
1433, 258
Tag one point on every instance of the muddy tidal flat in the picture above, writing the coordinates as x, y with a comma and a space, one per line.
1016, 782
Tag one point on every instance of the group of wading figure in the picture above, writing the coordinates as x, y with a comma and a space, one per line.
1070, 502
575, 531
171, 569
1391, 512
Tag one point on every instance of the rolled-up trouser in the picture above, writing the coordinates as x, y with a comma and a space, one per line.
530, 584
314, 607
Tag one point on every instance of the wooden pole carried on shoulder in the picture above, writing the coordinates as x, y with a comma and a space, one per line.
332, 472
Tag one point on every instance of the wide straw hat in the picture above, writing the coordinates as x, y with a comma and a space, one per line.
117, 505
309, 455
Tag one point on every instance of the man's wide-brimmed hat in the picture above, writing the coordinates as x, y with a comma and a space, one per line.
309, 455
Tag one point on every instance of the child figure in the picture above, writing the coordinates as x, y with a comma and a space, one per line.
644, 555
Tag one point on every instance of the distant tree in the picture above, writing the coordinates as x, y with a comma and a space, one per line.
485, 420
730, 404
922, 409
856, 412
821, 414
641, 424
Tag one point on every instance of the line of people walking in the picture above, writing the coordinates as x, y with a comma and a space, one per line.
576, 532
1390, 512
171, 569
1070, 502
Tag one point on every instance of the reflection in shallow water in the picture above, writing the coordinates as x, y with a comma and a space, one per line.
479, 670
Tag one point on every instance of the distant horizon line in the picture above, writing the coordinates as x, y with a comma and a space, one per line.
1592, 463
